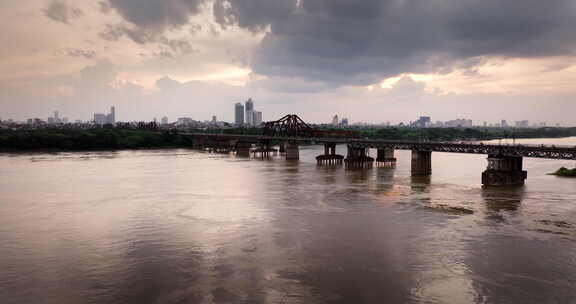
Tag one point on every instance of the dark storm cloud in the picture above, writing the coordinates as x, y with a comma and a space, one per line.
148, 20
60, 11
156, 14
363, 41
245, 14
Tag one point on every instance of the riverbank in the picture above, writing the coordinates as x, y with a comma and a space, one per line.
564, 172
57, 140
94, 139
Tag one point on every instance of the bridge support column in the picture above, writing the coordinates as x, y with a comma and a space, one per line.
358, 158
198, 143
421, 162
386, 157
292, 151
329, 157
264, 149
282, 147
243, 149
504, 171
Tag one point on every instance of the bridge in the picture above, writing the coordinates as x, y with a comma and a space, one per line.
504, 161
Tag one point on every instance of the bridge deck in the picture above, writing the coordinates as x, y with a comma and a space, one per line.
537, 151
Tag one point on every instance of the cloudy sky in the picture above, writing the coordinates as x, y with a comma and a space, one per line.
369, 60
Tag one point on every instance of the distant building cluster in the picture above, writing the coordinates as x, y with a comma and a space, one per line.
246, 114
104, 119
337, 122
426, 122
56, 119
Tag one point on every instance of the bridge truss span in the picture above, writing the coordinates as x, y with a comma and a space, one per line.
550, 152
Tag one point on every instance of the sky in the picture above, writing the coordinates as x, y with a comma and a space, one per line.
368, 60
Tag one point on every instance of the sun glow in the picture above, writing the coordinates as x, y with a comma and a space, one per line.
233, 76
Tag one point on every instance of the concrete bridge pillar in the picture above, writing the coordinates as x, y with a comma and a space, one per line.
385, 156
329, 157
421, 162
292, 151
243, 149
282, 147
358, 158
504, 171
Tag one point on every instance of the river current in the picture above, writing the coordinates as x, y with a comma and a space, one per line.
182, 226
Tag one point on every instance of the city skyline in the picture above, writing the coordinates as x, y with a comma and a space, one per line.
240, 114
177, 58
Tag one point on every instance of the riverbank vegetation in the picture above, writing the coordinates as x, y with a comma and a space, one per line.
452, 134
78, 139
89, 139
565, 172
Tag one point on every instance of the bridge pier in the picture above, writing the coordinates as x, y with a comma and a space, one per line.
421, 162
292, 151
282, 147
504, 171
358, 158
264, 149
329, 157
385, 156
198, 143
243, 149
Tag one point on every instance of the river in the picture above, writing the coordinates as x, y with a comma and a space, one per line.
181, 226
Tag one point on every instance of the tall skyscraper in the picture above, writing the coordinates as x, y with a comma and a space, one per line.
164, 120
250, 112
335, 120
239, 114
112, 116
249, 105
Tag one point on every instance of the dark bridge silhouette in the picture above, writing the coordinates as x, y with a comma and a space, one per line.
504, 161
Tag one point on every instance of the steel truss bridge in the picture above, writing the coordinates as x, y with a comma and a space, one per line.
292, 128
504, 161
536, 151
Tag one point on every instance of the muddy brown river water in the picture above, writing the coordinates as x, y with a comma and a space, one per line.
180, 226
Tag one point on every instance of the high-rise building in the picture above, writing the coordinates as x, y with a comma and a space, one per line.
249, 105
100, 119
214, 119
164, 120
250, 117
184, 121
249, 112
257, 118
335, 120
344, 121
239, 113
523, 124
111, 118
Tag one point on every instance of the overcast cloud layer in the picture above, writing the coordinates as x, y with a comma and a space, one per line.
307, 56
363, 41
